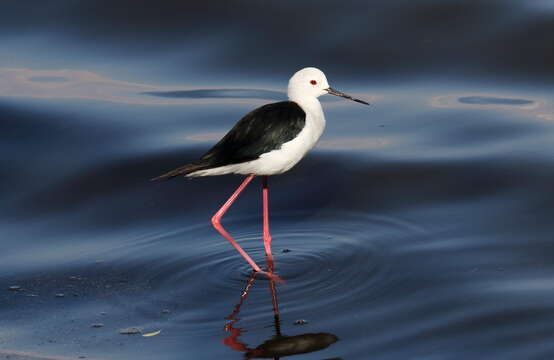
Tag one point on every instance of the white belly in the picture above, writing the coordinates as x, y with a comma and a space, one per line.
280, 160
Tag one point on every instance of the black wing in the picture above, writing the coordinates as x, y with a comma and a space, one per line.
260, 131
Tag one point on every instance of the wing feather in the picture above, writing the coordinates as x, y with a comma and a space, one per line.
262, 130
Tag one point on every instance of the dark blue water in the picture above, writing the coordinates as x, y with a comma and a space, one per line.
419, 227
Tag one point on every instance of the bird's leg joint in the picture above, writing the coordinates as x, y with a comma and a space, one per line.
216, 221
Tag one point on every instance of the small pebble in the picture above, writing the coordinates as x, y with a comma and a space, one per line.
153, 333
130, 331
60, 295
300, 322
97, 325
15, 288
103, 313
166, 311
285, 250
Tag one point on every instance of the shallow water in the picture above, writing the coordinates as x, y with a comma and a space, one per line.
410, 232
419, 227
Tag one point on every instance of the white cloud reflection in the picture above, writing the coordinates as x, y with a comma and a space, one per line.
75, 84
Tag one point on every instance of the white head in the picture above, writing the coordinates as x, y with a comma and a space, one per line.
311, 83
308, 82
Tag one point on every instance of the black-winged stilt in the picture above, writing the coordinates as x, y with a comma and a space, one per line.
267, 141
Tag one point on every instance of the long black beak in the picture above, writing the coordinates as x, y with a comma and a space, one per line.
338, 93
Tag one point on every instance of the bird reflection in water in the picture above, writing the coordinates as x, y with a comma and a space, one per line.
279, 345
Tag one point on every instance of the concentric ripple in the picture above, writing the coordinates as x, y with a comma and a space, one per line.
331, 257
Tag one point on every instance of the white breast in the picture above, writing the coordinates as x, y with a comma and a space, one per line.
283, 159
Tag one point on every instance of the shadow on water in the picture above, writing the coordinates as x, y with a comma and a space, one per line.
221, 93
487, 100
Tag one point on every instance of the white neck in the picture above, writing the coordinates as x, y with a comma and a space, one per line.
315, 120
309, 104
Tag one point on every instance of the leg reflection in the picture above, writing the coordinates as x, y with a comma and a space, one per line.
278, 345
233, 340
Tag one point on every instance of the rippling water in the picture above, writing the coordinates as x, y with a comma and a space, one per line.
413, 231
419, 227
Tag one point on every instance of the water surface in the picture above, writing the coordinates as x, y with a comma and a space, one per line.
418, 228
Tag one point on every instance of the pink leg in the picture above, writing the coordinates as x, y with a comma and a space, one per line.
267, 236
216, 222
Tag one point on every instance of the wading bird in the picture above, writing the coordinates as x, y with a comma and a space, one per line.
267, 141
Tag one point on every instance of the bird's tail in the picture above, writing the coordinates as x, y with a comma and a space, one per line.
183, 170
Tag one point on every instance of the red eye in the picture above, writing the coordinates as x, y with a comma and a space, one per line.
313, 82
